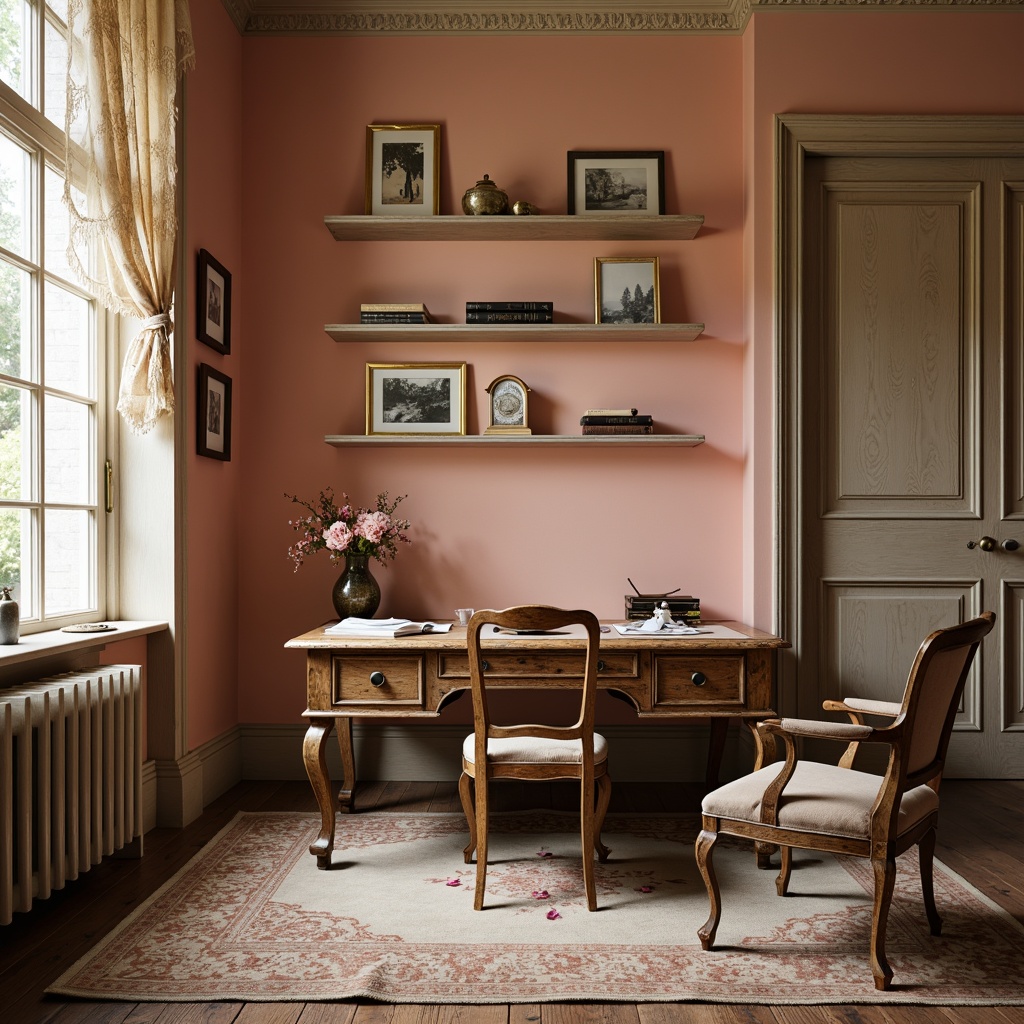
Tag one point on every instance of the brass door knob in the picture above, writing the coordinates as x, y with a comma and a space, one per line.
986, 544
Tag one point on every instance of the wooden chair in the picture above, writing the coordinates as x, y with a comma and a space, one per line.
534, 751
836, 809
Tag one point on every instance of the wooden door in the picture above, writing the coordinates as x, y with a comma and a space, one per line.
910, 495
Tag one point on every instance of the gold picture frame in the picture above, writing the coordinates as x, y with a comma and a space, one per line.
403, 174
626, 290
416, 398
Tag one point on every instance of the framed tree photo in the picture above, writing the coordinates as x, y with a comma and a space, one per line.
213, 303
213, 414
416, 398
626, 290
627, 183
402, 169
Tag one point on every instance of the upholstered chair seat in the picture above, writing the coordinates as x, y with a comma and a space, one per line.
535, 749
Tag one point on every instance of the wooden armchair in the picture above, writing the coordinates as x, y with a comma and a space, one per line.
836, 809
534, 751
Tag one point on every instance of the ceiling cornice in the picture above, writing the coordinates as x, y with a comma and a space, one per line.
579, 17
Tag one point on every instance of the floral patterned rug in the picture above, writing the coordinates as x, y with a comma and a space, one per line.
251, 918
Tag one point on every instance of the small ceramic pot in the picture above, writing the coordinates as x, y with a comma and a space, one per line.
485, 197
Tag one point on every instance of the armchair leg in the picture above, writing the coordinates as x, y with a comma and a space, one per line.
481, 843
885, 879
604, 795
785, 870
926, 851
588, 836
466, 796
703, 849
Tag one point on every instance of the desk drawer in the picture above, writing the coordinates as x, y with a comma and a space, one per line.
369, 679
709, 680
539, 667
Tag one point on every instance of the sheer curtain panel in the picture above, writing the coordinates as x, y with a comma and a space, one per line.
124, 61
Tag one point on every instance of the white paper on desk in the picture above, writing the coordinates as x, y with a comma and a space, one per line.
676, 629
354, 626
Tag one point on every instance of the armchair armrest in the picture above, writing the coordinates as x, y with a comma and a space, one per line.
845, 732
862, 706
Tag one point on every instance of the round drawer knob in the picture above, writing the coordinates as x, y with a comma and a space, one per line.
601, 666
698, 679
485, 665
377, 679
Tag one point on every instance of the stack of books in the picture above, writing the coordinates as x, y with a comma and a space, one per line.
510, 312
616, 421
393, 313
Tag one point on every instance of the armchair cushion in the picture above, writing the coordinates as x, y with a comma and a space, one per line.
535, 750
820, 798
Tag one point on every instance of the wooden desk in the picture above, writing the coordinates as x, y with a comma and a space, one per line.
727, 672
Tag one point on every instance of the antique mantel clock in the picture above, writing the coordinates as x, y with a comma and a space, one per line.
509, 406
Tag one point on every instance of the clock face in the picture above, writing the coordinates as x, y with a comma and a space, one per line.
508, 405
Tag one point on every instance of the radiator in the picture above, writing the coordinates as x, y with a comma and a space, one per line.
70, 778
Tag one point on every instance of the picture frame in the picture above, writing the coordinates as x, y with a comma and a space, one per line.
213, 414
627, 290
392, 149
213, 303
416, 398
626, 183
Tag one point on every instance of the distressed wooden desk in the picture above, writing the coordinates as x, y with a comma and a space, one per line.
727, 672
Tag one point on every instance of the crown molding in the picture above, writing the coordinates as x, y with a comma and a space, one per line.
576, 17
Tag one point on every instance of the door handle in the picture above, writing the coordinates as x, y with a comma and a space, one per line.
990, 544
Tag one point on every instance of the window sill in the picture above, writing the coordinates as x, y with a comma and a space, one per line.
54, 644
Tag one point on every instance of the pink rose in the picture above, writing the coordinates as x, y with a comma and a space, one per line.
338, 536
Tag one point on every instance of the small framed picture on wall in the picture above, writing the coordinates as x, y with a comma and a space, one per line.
416, 398
213, 414
626, 290
625, 183
213, 303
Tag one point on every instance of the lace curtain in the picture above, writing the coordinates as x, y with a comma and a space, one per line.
124, 61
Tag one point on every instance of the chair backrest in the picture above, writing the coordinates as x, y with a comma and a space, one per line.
932, 697
532, 617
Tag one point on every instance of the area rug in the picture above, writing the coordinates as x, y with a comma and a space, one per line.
251, 918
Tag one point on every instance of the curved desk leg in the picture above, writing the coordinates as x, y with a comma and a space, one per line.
348, 766
314, 757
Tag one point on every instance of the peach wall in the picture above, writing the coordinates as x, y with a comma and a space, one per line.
213, 196
276, 134
503, 526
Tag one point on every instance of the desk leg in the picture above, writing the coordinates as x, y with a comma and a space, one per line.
315, 758
348, 766
716, 750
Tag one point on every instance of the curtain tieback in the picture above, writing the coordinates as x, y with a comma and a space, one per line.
153, 322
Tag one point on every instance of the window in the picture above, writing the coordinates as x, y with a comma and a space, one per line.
51, 343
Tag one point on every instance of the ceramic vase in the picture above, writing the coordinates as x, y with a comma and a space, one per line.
356, 591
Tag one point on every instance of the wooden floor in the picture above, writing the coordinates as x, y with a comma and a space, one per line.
981, 836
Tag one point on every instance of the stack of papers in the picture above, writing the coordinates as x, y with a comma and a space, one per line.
354, 626
638, 629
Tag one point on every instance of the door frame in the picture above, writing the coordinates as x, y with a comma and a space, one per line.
797, 138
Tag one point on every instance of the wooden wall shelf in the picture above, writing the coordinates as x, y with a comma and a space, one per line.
514, 332
522, 440
557, 228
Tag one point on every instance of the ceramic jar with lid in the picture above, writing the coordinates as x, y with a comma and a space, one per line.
485, 197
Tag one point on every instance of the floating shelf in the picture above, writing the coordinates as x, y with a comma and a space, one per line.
527, 440
540, 228
514, 332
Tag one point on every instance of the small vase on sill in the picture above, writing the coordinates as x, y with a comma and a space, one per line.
356, 591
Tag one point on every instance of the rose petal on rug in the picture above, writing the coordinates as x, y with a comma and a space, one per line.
251, 918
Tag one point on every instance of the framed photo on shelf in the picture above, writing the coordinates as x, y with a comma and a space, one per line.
416, 398
617, 182
626, 290
402, 169
213, 303
213, 409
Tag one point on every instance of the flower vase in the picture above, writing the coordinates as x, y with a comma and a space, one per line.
356, 591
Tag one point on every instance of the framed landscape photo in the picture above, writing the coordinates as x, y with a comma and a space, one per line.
213, 303
617, 182
626, 290
416, 398
402, 169
213, 408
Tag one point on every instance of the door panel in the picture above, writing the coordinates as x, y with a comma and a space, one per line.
911, 433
